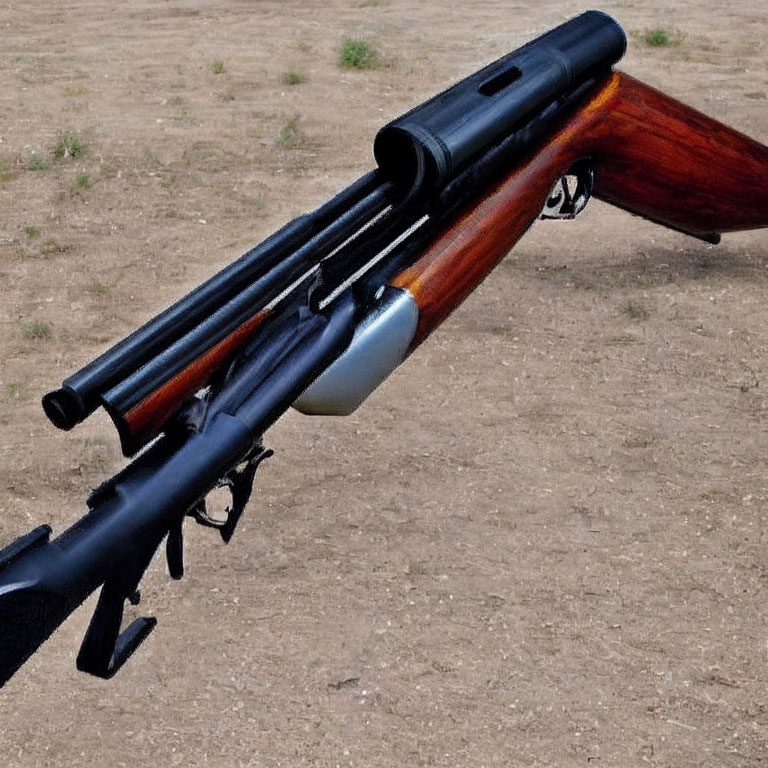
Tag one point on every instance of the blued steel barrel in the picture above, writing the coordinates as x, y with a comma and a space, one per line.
433, 142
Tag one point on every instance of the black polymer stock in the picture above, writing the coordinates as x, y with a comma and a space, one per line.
434, 158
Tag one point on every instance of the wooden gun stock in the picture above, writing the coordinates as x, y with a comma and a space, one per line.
651, 155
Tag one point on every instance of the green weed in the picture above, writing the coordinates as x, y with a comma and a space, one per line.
32, 232
13, 391
217, 67
51, 246
635, 311
658, 37
69, 145
357, 54
37, 330
6, 171
293, 78
289, 135
82, 181
29, 65
101, 289
37, 162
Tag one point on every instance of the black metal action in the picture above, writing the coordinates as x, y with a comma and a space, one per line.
42, 582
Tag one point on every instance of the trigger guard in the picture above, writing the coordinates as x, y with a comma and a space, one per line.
239, 480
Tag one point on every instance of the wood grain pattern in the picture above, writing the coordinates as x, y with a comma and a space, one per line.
652, 155
672, 164
147, 418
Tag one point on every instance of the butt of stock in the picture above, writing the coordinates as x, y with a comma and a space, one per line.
646, 153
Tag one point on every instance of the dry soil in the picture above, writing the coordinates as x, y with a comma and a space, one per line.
541, 543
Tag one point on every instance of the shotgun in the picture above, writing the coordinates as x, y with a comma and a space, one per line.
321, 312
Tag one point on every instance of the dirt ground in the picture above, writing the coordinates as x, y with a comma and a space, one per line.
541, 543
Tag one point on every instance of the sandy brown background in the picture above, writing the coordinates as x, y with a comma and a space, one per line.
541, 543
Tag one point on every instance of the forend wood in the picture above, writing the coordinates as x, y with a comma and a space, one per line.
146, 419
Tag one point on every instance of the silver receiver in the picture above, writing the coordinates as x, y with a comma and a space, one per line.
379, 345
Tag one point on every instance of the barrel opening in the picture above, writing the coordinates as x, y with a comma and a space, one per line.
63, 407
400, 158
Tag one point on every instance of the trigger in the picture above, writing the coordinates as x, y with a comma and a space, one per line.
571, 192
240, 483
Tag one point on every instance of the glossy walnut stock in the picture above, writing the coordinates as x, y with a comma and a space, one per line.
652, 156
